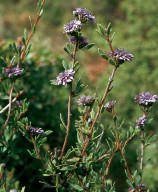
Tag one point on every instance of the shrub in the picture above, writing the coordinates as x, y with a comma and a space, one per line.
94, 137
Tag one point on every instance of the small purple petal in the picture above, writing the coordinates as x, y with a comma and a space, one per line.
13, 71
86, 100
141, 122
109, 105
83, 15
145, 99
72, 27
121, 56
65, 77
36, 131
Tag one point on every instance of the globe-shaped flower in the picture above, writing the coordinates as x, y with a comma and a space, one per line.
82, 41
121, 56
72, 27
83, 15
13, 71
36, 131
146, 99
65, 77
109, 105
141, 122
86, 100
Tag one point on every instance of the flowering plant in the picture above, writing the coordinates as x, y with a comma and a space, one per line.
84, 166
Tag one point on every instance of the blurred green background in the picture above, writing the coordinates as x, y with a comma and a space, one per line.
136, 25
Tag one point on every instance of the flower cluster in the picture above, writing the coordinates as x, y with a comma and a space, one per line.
81, 41
86, 100
145, 99
13, 71
72, 27
36, 131
65, 77
109, 105
121, 56
83, 15
141, 122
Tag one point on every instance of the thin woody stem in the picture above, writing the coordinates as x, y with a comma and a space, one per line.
99, 110
103, 156
121, 148
13, 100
68, 122
38, 153
142, 150
109, 163
23, 54
69, 104
142, 147
9, 110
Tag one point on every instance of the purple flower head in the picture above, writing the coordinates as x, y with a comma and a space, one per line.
140, 188
13, 71
146, 99
83, 15
141, 122
65, 77
109, 105
131, 189
85, 100
121, 56
36, 131
72, 27
82, 41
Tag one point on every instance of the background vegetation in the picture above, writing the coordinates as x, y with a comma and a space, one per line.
135, 23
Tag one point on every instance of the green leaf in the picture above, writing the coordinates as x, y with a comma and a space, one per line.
88, 46
48, 132
62, 120
62, 128
109, 29
77, 187
24, 41
73, 160
53, 82
68, 168
23, 189
101, 30
102, 54
41, 12
129, 183
11, 47
79, 88
30, 23
15, 48
68, 48
111, 61
25, 34
3, 96
65, 65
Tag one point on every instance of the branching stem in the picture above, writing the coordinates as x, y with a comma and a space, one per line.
23, 54
38, 152
69, 104
121, 148
9, 110
99, 110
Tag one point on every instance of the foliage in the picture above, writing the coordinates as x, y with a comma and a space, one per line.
85, 158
